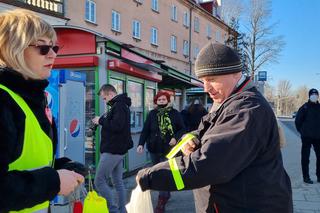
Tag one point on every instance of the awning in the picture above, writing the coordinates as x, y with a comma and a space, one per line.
174, 79
121, 66
143, 66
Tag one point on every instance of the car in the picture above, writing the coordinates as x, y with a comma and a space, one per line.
294, 114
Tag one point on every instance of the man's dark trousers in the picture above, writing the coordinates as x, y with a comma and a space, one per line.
305, 155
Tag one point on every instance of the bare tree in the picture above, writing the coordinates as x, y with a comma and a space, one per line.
262, 47
231, 11
270, 94
285, 99
301, 96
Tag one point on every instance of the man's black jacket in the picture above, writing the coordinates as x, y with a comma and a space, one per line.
308, 120
115, 131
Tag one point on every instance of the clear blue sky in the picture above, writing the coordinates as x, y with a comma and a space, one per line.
299, 23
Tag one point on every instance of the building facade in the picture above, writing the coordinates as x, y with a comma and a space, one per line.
172, 31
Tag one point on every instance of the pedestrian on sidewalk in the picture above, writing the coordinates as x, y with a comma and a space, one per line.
29, 175
161, 130
234, 163
308, 125
194, 114
115, 142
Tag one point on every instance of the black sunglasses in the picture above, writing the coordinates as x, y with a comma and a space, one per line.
44, 49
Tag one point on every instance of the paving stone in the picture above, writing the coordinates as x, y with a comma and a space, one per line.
307, 205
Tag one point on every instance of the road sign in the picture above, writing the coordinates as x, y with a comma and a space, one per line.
262, 75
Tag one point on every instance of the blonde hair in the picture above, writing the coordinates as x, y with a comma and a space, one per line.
18, 29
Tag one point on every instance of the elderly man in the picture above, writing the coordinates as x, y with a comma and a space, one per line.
234, 163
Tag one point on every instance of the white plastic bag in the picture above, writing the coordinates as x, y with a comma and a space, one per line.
140, 202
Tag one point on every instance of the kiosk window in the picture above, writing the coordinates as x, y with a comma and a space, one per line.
149, 98
135, 92
118, 84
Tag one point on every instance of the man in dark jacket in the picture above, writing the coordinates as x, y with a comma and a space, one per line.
234, 163
308, 125
115, 142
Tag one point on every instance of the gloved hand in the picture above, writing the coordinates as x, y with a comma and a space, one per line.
76, 167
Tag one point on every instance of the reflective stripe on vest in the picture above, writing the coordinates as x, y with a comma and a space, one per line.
37, 148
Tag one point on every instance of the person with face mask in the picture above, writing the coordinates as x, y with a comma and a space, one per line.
161, 130
308, 125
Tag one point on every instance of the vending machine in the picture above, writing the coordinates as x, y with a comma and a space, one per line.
66, 98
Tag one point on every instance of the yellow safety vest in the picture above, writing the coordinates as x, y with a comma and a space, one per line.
37, 148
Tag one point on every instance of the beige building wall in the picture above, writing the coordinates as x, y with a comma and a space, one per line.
130, 10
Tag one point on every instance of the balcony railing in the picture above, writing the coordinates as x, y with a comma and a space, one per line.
45, 6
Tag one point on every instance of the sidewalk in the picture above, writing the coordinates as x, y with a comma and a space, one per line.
306, 197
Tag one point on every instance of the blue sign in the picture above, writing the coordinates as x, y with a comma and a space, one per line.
262, 75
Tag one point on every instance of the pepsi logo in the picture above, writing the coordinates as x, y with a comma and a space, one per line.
49, 99
74, 128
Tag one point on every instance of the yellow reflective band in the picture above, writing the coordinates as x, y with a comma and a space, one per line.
176, 174
178, 147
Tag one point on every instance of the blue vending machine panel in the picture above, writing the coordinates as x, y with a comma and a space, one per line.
52, 93
66, 98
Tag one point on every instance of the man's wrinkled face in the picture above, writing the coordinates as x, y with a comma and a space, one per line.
220, 87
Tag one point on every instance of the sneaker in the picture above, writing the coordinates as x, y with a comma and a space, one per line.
308, 180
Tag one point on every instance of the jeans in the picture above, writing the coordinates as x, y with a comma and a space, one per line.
157, 158
111, 165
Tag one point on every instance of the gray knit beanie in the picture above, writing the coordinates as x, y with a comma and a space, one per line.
217, 59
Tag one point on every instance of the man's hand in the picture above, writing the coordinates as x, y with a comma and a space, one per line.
190, 146
172, 142
69, 180
140, 149
142, 179
95, 120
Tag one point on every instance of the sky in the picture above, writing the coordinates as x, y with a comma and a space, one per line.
299, 23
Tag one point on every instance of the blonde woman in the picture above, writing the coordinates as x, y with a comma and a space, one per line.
28, 133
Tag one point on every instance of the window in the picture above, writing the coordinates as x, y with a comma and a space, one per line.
154, 36
155, 5
185, 48
139, 1
186, 19
149, 98
136, 29
90, 12
173, 43
115, 21
209, 31
135, 92
218, 35
174, 13
118, 84
196, 51
196, 24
